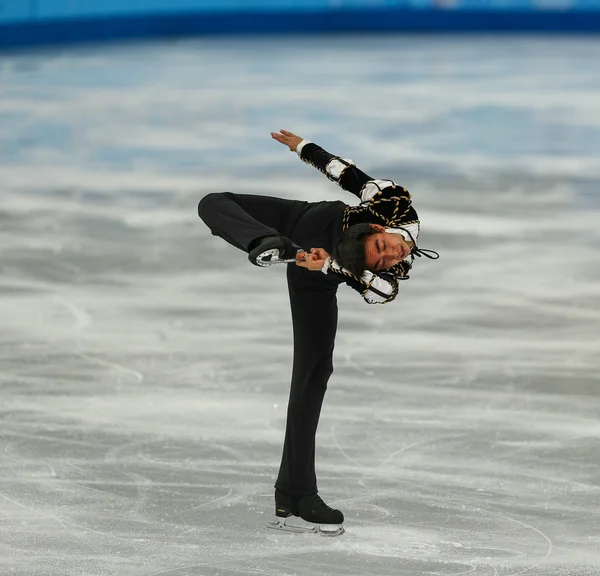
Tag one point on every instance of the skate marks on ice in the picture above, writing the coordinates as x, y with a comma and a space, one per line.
424, 521
449, 535
427, 527
476, 482
113, 505
108, 504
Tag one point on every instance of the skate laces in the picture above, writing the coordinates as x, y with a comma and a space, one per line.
320, 504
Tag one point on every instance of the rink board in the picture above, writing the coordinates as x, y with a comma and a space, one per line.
21, 29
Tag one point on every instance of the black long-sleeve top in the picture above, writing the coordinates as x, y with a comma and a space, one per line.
381, 202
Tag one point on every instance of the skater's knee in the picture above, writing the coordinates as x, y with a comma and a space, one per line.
207, 201
315, 380
326, 372
325, 368
324, 379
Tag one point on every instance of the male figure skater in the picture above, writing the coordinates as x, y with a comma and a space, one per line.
370, 247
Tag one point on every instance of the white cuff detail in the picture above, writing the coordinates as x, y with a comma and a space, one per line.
335, 168
302, 145
336, 266
326, 265
383, 286
373, 187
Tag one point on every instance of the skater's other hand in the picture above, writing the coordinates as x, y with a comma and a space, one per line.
287, 139
313, 260
320, 253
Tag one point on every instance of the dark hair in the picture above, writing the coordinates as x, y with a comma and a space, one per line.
350, 248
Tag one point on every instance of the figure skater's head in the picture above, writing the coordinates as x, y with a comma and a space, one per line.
369, 247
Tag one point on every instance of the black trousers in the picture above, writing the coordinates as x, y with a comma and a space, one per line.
240, 219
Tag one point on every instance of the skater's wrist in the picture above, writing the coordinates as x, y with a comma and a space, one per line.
326, 265
301, 145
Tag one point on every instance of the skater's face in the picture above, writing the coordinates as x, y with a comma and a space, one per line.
384, 250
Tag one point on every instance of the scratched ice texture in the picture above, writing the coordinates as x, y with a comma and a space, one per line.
145, 364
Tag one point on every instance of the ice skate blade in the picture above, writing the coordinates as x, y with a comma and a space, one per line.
268, 257
290, 525
271, 257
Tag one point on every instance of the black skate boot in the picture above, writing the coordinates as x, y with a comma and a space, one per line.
273, 250
319, 518
314, 510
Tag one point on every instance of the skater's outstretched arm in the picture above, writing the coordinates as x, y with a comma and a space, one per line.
340, 170
386, 199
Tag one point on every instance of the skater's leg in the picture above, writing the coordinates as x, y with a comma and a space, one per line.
314, 318
242, 219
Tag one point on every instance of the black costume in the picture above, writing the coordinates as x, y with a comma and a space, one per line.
243, 219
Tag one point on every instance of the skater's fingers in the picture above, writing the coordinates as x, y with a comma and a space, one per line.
320, 253
289, 134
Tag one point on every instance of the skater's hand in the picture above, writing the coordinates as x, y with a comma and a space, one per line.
320, 253
313, 260
287, 139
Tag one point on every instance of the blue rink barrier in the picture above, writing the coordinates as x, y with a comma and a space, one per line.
30, 32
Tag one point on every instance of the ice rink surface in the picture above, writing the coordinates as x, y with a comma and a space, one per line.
145, 364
